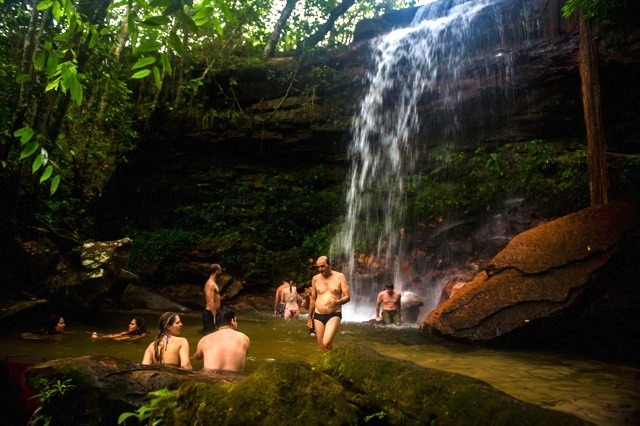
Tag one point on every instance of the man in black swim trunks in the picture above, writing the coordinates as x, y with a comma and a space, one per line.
329, 291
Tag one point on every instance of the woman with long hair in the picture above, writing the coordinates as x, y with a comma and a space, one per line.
137, 330
168, 348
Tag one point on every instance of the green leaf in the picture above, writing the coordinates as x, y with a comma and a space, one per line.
160, 3
157, 78
117, 4
148, 46
76, 90
37, 163
143, 62
29, 149
22, 78
45, 4
222, 5
176, 43
52, 65
52, 84
125, 416
216, 23
165, 63
46, 174
157, 21
65, 36
25, 134
187, 22
94, 38
38, 60
54, 184
141, 74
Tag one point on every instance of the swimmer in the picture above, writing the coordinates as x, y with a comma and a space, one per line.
54, 327
168, 349
137, 330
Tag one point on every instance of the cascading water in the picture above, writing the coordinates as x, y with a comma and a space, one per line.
384, 148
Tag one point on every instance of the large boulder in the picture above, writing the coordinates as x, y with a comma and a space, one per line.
87, 275
404, 393
97, 389
350, 385
573, 279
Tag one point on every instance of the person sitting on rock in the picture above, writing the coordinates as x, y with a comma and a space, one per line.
137, 330
168, 349
226, 348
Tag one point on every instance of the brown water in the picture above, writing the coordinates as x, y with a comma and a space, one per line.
603, 393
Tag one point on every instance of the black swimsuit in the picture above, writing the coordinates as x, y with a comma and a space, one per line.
324, 318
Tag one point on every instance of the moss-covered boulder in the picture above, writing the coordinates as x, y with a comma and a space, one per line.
282, 393
403, 393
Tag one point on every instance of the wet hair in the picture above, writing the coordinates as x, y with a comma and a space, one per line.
50, 324
141, 326
224, 317
215, 268
389, 285
166, 320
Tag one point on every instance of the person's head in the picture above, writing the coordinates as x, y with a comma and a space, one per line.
323, 265
389, 287
137, 326
55, 324
169, 323
226, 317
215, 269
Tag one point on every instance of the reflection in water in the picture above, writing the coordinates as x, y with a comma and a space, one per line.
603, 393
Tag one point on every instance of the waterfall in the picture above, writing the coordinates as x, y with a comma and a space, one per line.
407, 65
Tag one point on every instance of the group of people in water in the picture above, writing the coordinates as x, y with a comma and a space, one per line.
223, 347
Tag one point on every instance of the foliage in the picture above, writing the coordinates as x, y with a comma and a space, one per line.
48, 392
152, 246
458, 183
151, 413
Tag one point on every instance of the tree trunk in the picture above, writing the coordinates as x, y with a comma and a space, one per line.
319, 35
596, 141
270, 48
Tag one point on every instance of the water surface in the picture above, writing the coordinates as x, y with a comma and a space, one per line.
606, 394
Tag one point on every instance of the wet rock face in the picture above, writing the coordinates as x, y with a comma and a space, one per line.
568, 280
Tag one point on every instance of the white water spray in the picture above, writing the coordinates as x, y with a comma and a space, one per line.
384, 149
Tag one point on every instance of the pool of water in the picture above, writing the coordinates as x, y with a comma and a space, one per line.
606, 394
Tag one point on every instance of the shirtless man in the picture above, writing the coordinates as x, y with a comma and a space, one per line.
391, 305
329, 291
226, 348
212, 299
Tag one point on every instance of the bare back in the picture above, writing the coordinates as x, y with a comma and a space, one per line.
225, 349
175, 351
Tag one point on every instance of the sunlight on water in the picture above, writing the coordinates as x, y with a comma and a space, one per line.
603, 393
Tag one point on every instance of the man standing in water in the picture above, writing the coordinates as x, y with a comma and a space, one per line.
391, 305
329, 291
212, 299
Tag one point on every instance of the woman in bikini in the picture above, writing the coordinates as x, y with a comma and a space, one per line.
168, 349
137, 330
290, 297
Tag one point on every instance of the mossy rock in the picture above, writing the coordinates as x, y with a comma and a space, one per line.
401, 392
279, 393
